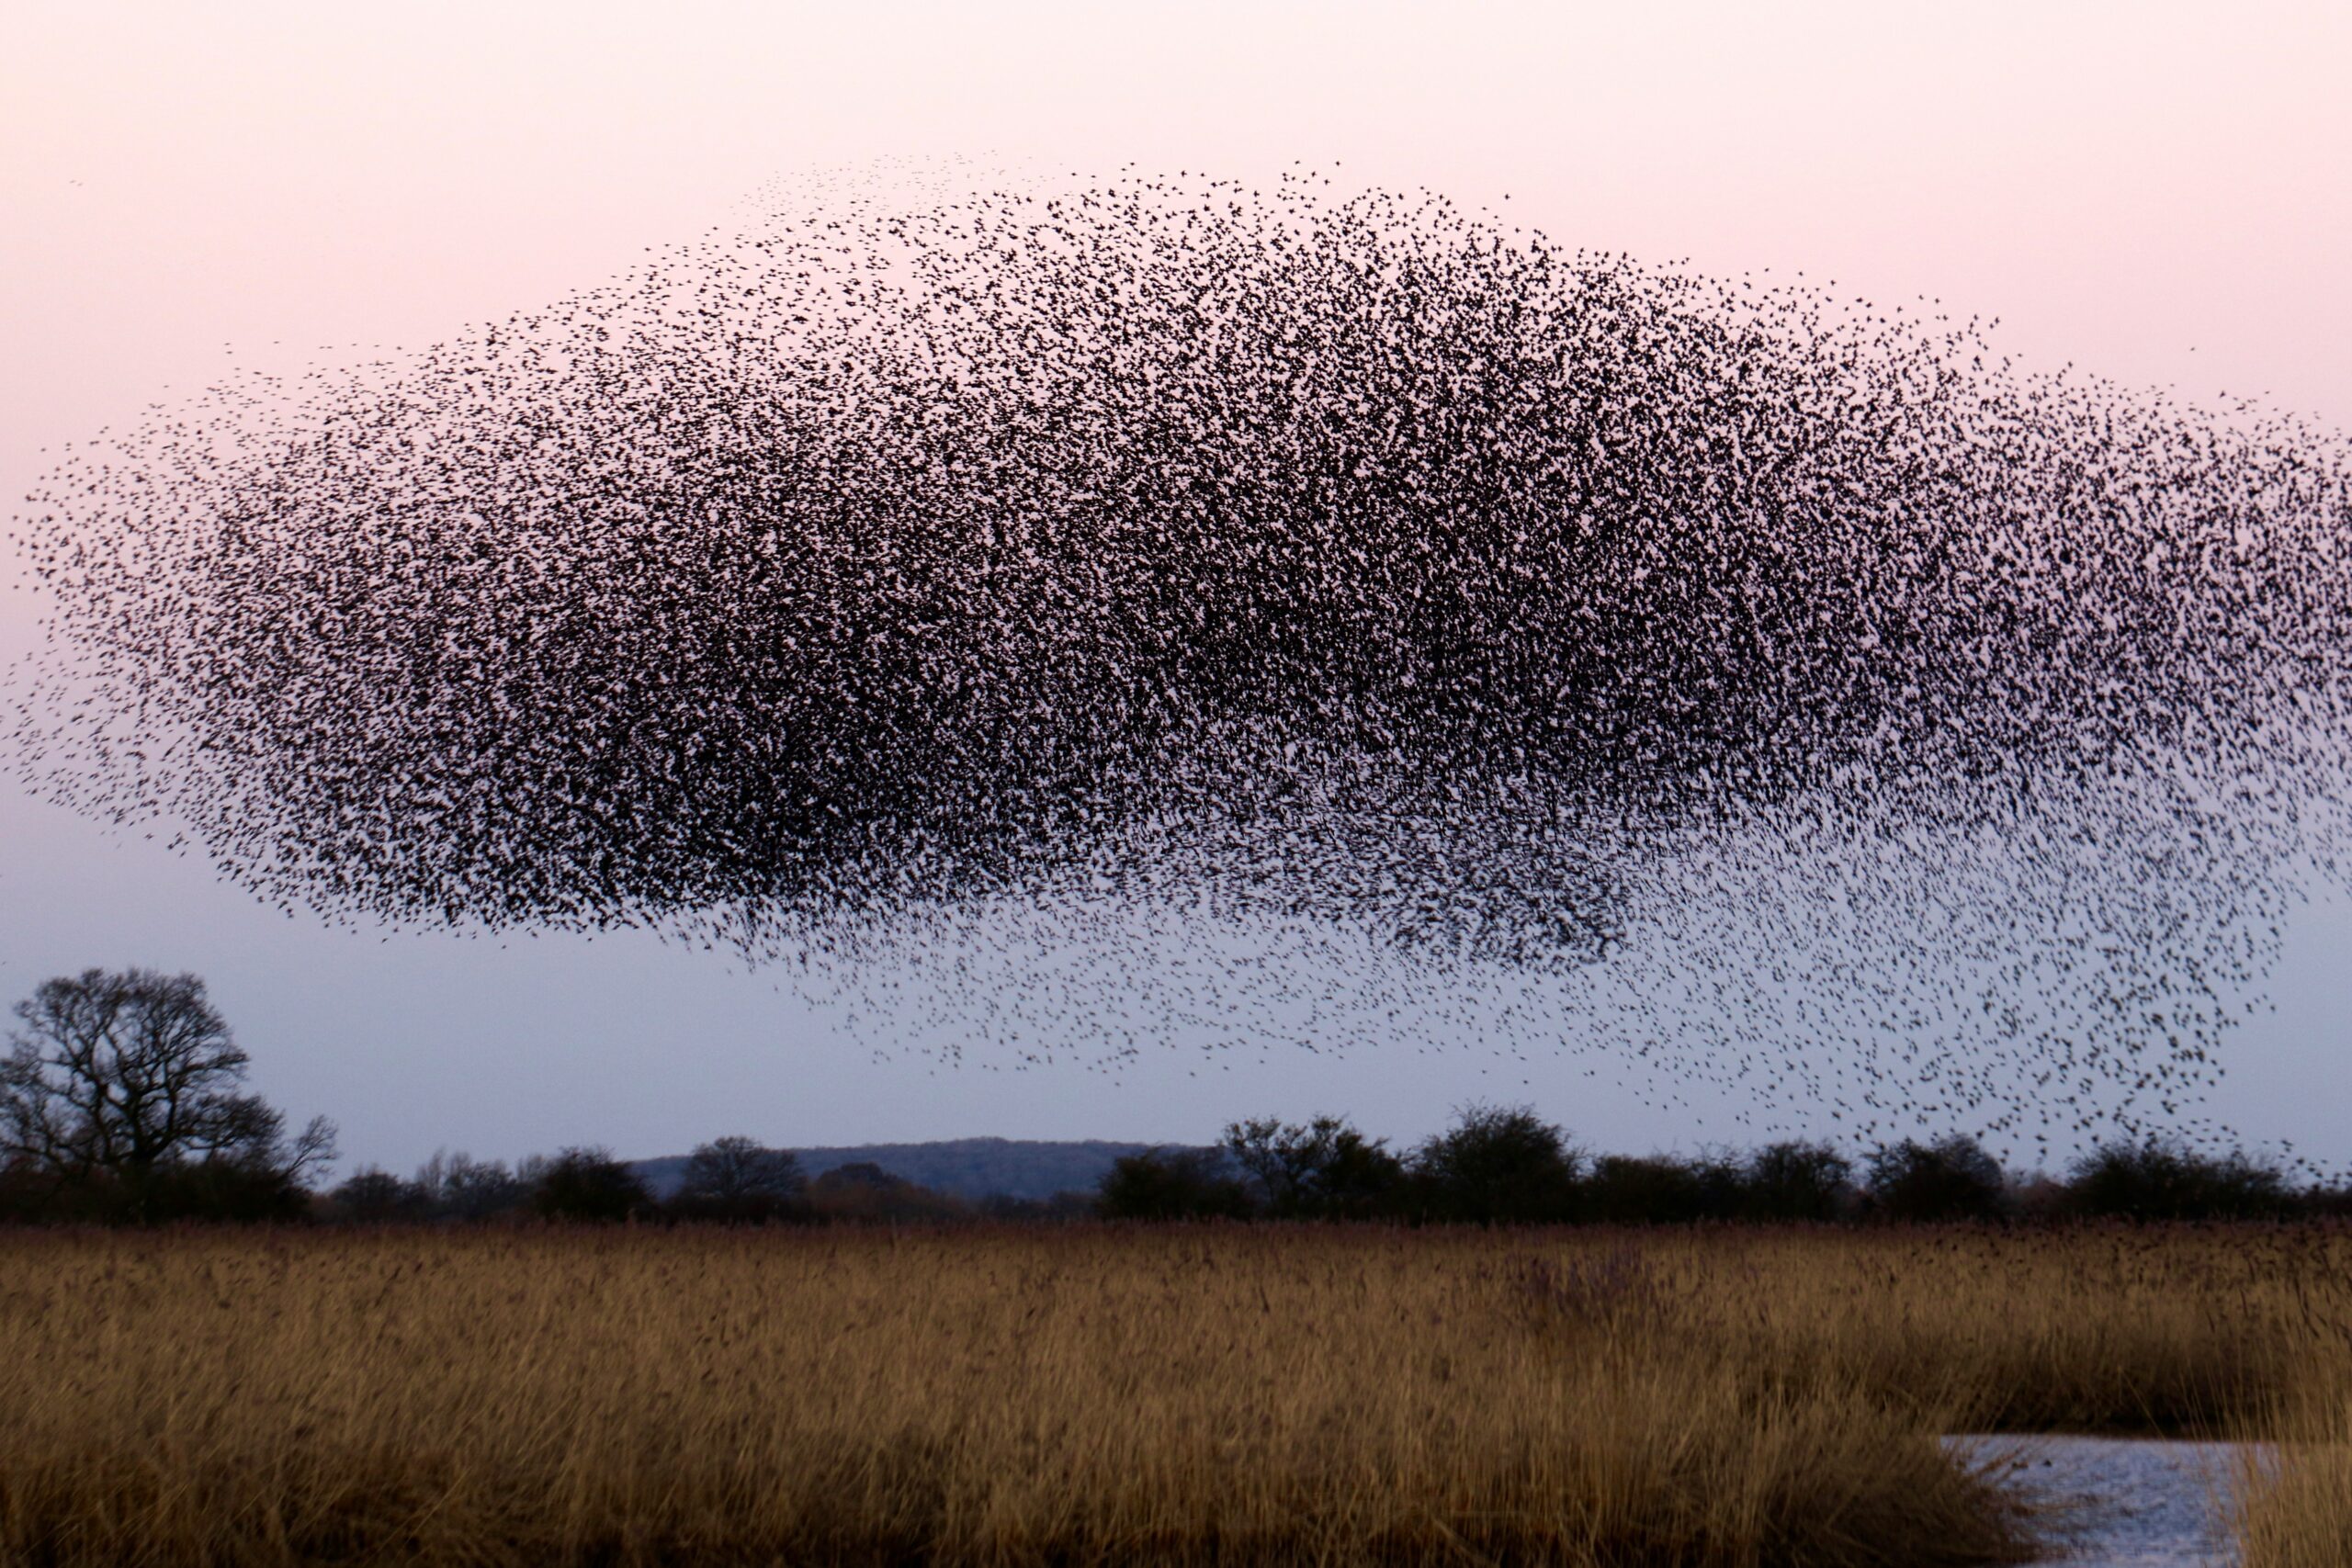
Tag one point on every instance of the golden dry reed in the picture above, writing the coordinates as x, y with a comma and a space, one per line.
1104, 1395
2295, 1498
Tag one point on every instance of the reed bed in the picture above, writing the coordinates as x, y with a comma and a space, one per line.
2294, 1507
1096, 1395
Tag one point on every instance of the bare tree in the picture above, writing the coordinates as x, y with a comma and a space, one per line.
458, 1185
737, 1178
1320, 1169
118, 1078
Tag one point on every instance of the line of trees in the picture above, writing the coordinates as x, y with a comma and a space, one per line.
731, 1180
1506, 1165
1495, 1165
122, 1100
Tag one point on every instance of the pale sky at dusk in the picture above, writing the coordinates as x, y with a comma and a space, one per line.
2154, 192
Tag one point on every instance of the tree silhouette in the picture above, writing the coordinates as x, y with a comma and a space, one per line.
1321, 1169
1499, 1164
1172, 1184
1952, 1178
587, 1183
121, 1091
1794, 1180
2153, 1179
736, 1177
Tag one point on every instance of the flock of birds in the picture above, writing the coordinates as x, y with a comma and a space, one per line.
1147, 607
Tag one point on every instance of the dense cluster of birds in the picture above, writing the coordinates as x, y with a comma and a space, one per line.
1105, 610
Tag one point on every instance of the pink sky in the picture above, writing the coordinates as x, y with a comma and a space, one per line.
2158, 192
2120, 183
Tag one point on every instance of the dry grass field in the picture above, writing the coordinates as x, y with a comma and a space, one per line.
2300, 1515
1109, 1395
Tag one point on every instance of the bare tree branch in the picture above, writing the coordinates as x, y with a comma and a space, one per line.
113, 1075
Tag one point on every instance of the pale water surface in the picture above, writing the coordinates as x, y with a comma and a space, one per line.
2123, 1502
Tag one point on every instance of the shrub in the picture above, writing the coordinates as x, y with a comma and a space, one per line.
1798, 1181
586, 1182
458, 1186
1321, 1169
373, 1196
2160, 1180
1173, 1184
1952, 1178
863, 1191
1497, 1164
222, 1188
1625, 1190
736, 1179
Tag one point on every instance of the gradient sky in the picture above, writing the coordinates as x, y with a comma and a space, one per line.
2154, 192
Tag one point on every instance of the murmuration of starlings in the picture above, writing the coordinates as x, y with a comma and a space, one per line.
1127, 609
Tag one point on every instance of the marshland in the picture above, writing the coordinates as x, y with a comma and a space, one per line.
1175, 1393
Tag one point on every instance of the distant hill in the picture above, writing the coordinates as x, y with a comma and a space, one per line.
968, 1167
